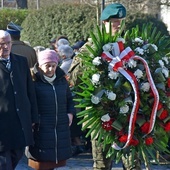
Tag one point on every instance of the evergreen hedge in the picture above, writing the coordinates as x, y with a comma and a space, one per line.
74, 21
140, 19
15, 15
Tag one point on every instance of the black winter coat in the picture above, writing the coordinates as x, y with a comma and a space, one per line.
52, 136
18, 109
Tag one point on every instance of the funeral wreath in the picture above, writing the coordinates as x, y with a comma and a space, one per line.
125, 91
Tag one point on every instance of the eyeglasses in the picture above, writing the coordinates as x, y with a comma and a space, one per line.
5, 44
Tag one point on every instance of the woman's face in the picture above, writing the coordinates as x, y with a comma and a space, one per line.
49, 68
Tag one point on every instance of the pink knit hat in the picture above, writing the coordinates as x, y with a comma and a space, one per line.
46, 56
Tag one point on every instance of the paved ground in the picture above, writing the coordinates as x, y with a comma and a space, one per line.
84, 162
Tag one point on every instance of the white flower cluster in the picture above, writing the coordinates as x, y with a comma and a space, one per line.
97, 61
95, 99
164, 69
142, 49
111, 95
108, 47
113, 75
105, 118
145, 86
124, 109
95, 79
138, 73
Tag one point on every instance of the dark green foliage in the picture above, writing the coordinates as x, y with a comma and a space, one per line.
74, 21
140, 19
14, 15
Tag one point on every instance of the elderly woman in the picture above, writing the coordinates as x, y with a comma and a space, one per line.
56, 108
65, 52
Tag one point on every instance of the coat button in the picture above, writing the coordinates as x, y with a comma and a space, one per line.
15, 92
17, 110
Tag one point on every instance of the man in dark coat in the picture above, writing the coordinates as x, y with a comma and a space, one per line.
18, 108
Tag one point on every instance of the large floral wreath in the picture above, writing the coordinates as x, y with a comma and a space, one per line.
124, 91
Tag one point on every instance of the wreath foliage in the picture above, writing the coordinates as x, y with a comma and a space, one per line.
125, 97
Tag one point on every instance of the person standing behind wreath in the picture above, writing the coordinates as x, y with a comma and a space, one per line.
113, 14
20, 47
18, 108
56, 109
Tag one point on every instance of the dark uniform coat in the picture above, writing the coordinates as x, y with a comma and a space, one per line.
18, 109
52, 136
20, 48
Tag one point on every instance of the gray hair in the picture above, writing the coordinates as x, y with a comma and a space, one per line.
62, 41
4, 34
65, 50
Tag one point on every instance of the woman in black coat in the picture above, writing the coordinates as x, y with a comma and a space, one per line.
56, 108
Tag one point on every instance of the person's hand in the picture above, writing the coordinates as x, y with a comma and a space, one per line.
33, 126
70, 116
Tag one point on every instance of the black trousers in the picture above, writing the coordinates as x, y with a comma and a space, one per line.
9, 159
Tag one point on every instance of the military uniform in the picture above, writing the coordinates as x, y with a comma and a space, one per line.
20, 47
116, 11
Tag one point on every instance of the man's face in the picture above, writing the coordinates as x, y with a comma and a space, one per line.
115, 25
5, 46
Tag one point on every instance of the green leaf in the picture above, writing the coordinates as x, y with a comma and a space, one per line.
94, 130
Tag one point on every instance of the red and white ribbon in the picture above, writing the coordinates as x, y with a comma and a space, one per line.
154, 90
116, 62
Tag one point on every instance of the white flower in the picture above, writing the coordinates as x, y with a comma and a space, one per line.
121, 40
165, 71
138, 40
155, 47
105, 118
113, 75
124, 109
138, 73
95, 99
165, 59
139, 50
97, 61
111, 95
161, 63
95, 78
131, 63
145, 87
107, 47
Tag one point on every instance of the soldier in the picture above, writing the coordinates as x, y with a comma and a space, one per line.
20, 47
114, 14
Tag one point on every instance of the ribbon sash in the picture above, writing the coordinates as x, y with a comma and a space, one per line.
117, 63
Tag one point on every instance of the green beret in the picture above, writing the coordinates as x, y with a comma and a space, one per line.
114, 10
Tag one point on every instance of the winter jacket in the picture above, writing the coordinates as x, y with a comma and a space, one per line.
18, 109
52, 135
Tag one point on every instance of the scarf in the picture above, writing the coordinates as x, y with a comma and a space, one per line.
50, 79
